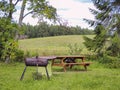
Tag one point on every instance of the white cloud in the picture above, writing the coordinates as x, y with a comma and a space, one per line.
74, 11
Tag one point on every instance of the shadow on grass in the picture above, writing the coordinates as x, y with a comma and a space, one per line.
75, 69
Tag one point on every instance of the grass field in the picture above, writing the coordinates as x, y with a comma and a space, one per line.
96, 78
53, 45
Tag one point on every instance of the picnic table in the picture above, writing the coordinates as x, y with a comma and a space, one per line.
68, 61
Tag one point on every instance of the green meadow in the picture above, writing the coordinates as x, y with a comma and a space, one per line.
58, 45
97, 77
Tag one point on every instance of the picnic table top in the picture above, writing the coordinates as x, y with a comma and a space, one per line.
63, 56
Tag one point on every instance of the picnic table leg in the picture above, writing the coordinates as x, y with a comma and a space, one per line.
53, 61
85, 67
47, 73
64, 67
37, 71
23, 73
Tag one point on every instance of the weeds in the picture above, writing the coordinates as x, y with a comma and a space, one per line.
74, 49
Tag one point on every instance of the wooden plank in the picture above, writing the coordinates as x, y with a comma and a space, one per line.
78, 63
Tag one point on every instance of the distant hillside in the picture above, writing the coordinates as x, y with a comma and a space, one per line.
57, 45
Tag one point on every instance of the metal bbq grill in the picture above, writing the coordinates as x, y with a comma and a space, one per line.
38, 62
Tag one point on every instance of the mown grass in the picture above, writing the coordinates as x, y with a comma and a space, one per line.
53, 45
96, 78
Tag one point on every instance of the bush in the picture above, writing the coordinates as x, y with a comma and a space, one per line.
91, 57
8, 44
74, 49
114, 62
31, 53
19, 56
106, 60
110, 61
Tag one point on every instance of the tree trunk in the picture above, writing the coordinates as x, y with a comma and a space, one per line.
7, 59
22, 12
11, 10
21, 18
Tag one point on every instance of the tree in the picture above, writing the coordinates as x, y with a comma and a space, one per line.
106, 43
38, 8
107, 25
9, 30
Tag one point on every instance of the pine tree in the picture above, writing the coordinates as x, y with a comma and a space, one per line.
107, 28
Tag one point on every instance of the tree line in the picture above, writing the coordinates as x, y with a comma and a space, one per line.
44, 30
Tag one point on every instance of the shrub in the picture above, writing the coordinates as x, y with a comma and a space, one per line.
74, 49
8, 44
113, 62
19, 56
31, 53
110, 61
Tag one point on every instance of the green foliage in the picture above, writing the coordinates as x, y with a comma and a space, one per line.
4, 8
45, 30
37, 8
19, 56
114, 48
41, 8
110, 61
74, 49
8, 45
106, 43
31, 53
98, 43
88, 43
9, 50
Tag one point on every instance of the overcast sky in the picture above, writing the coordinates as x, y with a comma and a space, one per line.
71, 11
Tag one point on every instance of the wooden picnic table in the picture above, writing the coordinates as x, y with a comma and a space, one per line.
69, 61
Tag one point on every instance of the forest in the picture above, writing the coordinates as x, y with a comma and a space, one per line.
45, 30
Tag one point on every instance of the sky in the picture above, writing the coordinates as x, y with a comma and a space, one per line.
71, 11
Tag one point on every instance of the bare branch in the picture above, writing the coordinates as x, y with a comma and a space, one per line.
16, 2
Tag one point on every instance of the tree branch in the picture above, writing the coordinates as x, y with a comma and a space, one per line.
16, 2
28, 14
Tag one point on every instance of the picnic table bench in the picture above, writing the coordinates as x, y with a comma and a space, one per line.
70, 61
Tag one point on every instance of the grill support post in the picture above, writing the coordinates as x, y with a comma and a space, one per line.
23, 73
47, 73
